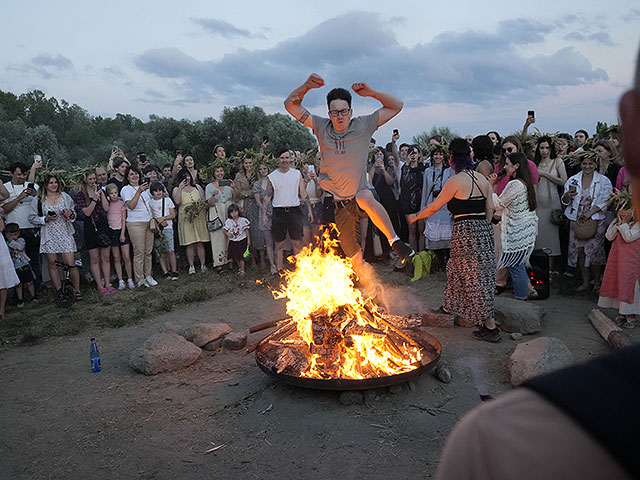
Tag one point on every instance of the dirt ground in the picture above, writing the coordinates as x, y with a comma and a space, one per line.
61, 421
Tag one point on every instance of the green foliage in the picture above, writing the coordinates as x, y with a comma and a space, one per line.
68, 136
422, 139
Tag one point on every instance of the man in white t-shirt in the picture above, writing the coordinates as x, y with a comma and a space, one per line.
18, 207
286, 188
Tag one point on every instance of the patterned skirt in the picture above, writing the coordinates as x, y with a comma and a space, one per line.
471, 271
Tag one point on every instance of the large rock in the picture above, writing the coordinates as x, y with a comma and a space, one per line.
235, 341
203, 333
535, 357
518, 316
163, 352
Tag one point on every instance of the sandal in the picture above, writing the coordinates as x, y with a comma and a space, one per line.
582, 288
499, 289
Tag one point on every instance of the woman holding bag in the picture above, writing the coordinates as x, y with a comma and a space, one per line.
552, 174
136, 198
219, 198
585, 196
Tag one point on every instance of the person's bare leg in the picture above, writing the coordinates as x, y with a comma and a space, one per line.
3, 301
279, 254
201, 254
126, 258
94, 256
105, 263
413, 234
490, 323
190, 254
115, 252
268, 240
297, 246
376, 212
584, 271
70, 259
53, 270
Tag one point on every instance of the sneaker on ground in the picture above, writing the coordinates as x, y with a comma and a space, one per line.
34, 300
487, 335
166, 275
192, 270
403, 250
20, 304
121, 285
203, 268
142, 283
274, 270
174, 275
151, 281
130, 283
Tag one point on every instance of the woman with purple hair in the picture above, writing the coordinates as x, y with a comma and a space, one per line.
471, 269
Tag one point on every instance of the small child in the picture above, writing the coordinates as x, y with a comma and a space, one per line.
236, 229
21, 263
120, 243
621, 282
164, 211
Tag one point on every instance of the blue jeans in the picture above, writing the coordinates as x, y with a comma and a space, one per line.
520, 281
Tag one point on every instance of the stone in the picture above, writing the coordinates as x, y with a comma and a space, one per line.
538, 356
213, 346
370, 396
163, 352
351, 398
235, 341
517, 336
442, 373
518, 316
395, 389
203, 333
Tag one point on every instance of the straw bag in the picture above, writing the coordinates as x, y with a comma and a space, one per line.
584, 229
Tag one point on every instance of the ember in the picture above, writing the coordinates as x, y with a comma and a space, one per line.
333, 332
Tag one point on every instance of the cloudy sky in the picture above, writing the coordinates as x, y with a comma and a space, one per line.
473, 66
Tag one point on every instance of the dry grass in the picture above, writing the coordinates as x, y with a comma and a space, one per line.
35, 322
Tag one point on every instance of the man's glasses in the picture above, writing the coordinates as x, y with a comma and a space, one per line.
508, 150
341, 113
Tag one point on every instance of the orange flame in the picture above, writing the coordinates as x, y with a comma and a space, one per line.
322, 286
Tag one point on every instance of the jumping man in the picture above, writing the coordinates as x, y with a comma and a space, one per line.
344, 143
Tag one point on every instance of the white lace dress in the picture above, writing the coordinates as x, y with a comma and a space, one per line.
519, 225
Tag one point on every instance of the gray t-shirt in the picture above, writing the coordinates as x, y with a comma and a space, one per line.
343, 163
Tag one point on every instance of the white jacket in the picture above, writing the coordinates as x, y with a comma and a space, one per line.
600, 191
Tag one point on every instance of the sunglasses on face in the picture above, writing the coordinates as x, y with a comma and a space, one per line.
508, 150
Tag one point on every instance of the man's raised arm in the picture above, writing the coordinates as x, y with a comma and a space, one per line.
391, 105
293, 102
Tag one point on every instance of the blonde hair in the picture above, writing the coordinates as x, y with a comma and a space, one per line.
111, 187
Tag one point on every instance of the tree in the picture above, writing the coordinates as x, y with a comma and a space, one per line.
422, 139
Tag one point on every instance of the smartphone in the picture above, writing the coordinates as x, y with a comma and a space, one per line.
115, 149
37, 158
265, 139
572, 188
531, 113
311, 169
225, 183
395, 131
31, 186
51, 214
178, 152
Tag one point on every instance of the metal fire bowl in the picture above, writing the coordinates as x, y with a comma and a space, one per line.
431, 354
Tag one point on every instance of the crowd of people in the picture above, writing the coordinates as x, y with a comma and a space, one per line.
549, 192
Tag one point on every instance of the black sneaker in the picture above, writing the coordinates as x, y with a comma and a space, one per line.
174, 275
166, 275
488, 335
403, 250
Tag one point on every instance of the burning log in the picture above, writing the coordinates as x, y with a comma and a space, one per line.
609, 330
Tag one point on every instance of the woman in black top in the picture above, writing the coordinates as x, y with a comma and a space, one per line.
471, 269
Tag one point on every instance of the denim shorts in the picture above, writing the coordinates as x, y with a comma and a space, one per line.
115, 238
